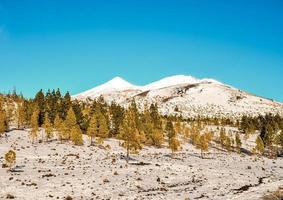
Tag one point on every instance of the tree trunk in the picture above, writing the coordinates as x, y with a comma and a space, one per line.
128, 155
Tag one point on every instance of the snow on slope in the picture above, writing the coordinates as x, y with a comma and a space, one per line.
186, 96
117, 84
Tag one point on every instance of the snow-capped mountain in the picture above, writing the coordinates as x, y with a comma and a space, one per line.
186, 96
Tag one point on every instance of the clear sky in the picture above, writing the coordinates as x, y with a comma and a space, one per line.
78, 44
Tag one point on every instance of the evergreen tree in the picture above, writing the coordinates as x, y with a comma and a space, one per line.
48, 127
169, 129
40, 102
116, 115
20, 115
259, 145
65, 105
174, 144
58, 125
132, 138
238, 142
153, 133
98, 128
155, 116
34, 124
202, 144
3, 123
279, 139
69, 123
178, 127
222, 137
76, 135
194, 135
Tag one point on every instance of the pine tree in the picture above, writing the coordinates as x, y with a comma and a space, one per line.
178, 127
34, 124
279, 139
116, 116
194, 135
76, 135
98, 128
39, 100
202, 144
174, 144
222, 137
3, 124
20, 115
132, 138
48, 127
169, 129
203, 141
228, 143
238, 142
58, 122
267, 134
259, 145
155, 116
153, 133
68, 124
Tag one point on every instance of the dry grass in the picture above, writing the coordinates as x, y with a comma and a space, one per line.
277, 195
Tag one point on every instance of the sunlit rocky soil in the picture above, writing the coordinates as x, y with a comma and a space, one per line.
56, 170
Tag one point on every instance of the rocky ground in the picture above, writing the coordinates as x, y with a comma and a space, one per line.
54, 171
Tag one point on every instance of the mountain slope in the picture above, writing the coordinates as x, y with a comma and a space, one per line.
186, 96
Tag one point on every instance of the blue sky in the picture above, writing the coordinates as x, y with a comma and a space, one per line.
76, 45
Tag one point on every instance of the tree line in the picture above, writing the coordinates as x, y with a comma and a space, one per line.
68, 120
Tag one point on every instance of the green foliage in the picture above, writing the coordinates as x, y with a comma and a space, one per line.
76, 135
131, 136
34, 123
48, 127
259, 145
98, 127
174, 144
116, 116
169, 129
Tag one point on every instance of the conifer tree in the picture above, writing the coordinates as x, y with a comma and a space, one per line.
132, 138
116, 115
238, 142
155, 116
194, 135
169, 129
178, 127
76, 135
58, 123
279, 139
39, 100
20, 115
153, 133
202, 144
228, 142
68, 124
259, 145
98, 128
267, 134
174, 144
34, 124
48, 127
222, 137
3, 124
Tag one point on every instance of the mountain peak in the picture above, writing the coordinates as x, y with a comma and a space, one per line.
172, 80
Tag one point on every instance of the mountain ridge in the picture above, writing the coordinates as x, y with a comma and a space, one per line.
186, 96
